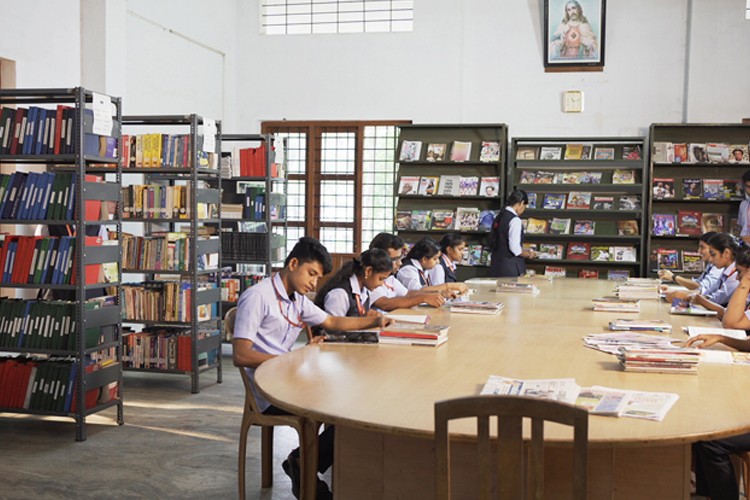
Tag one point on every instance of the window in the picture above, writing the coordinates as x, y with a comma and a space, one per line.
299, 17
341, 178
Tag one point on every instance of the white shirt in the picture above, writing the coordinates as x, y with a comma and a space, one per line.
336, 302
411, 276
390, 288
514, 233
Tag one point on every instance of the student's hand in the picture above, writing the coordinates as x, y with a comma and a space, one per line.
318, 339
372, 313
450, 293
664, 289
666, 274
704, 340
385, 321
460, 287
433, 299
677, 294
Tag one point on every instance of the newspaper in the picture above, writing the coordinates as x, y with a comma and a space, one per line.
563, 389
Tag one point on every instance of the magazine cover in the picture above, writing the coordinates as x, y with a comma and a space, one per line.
410, 151
578, 251
738, 153
588, 274
692, 189
408, 185
568, 178
667, 258
627, 228
435, 152
550, 153
536, 226
663, 188
663, 152
689, 222
629, 203
490, 151
559, 226
532, 200
712, 222
475, 255
631, 152
526, 153
579, 200
555, 271
468, 186
732, 189
603, 203
421, 220
550, 251
587, 151
717, 152
713, 189
623, 177
697, 153
692, 262
664, 224
527, 177
544, 177
573, 151
489, 187
624, 254
618, 274
591, 178
467, 219
681, 153
442, 219
449, 185
428, 185
486, 218
601, 253
461, 151
584, 227
403, 220
554, 201
604, 153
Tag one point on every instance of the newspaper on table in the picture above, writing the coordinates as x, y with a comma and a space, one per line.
612, 342
692, 331
564, 390
649, 405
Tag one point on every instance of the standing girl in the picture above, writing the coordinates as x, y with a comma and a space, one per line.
506, 238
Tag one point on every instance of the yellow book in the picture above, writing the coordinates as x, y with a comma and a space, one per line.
573, 151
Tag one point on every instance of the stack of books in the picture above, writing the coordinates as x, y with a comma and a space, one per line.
613, 343
616, 304
476, 307
639, 288
515, 287
644, 360
680, 306
414, 334
640, 325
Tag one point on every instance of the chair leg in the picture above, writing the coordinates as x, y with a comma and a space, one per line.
244, 428
746, 473
308, 442
266, 454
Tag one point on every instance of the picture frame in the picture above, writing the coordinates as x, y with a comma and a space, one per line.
574, 35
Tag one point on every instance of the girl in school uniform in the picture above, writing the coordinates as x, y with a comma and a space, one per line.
506, 238
347, 293
423, 257
452, 246
707, 279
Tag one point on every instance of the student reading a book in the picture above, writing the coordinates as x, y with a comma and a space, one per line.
270, 316
743, 216
452, 246
506, 238
707, 279
416, 266
392, 294
347, 293
714, 471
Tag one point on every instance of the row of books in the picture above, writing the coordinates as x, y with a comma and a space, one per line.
583, 251
41, 131
449, 185
562, 225
233, 284
460, 151
463, 219
250, 162
562, 272
164, 251
676, 260
656, 360
698, 189
164, 151
695, 152
46, 325
47, 260
241, 246
164, 301
619, 176
254, 206
688, 223
583, 200
578, 152
156, 201
166, 349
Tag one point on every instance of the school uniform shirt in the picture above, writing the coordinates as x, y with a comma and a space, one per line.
444, 272
412, 276
262, 313
709, 279
743, 217
728, 283
348, 300
390, 288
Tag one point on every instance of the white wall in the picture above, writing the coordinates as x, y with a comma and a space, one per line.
482, 61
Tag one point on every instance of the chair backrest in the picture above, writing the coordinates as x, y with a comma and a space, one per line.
249, 397
510, 412
229, 321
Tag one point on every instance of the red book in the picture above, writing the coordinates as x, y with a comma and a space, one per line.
93, 271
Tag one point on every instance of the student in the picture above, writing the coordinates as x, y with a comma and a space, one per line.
270, 316
714, 471
422, 258
452, 246
708, 278
743, 215
347, 293
392, 294
506, 238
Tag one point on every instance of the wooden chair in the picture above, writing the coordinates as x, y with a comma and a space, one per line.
252, 416
510, 412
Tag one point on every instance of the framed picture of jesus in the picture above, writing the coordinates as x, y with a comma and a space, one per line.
574, 35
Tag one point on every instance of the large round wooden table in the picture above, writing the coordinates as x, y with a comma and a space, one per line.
381, 397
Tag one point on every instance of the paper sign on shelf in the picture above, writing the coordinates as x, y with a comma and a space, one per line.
209, 135
102, 107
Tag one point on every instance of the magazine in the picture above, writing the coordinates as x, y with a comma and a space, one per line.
738, 153
435, 152
468, 186
584, 227
574, 151
664, 225
601, 253
536, 226
717, 152
712, 222
490, 151
461, 151
624, 254
526, 153
578, 251
627, 228
663, 188
442, 219
631, 152
559, 226
681, 153
421, 220
467, 219
629, 203
532, 200
697, 153
486, 218
550, 153
579, 200
623, 177
527, 177
604, 153
408, 185
692, 189
489, 187
410, 151
713, 189
603, 203
689, 222
449, 185
692, 262
543, 177
554, 201
550, 251
428, 186
403, 220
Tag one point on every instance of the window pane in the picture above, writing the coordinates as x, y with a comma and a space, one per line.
296, 201
337, 201
378, 175
296, 151
337, 153
337, 239
293, 234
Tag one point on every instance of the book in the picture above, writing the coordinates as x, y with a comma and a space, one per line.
601, 153
467, 218
527, 177
603, 203
732, 189
616, 304
573, 151
476, 307
663, 224
717, 152
526, 153
490, 151
550, 251
554, 201
620, 176
489, 187
410, 151
578, 200
421, 220
588, 274
666, 258
601, 253
692, 189
408, 185
627, 228
352, 337
543, 177
631, 152
410, 332
584, 227
550, 153
681, 153
712, 222
442, 219
428, 185
551, 272
663, 188
590, 178
403, 220
738, 153
680, 306
435, 152
536, 226
697, 153
618, 274
624, 253
532, 200
692, 262
559, 226
449, 185
516, 287
713, 189
587, 151
629, 203
578, 251
468, 186
689, 222
461, 151
640, 325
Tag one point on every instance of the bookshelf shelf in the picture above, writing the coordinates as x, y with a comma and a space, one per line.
62, 190
610, 177
187, 185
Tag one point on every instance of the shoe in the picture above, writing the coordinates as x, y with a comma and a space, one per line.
291, 469
323, 492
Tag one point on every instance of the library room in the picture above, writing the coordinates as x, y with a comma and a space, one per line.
375, 249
